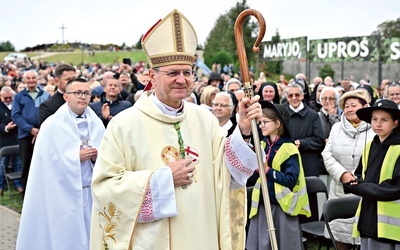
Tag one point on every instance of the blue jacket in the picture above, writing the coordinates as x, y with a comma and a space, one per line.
25, 111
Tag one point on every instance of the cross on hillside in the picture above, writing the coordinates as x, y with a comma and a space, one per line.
62, 31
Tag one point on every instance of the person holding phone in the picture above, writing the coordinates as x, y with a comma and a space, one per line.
127, 76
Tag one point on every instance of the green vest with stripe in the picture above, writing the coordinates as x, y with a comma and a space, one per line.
292, 202
388, 211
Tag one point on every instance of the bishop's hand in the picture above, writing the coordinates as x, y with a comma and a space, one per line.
182, 171
249, 109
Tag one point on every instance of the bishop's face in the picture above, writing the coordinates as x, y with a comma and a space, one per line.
172, 83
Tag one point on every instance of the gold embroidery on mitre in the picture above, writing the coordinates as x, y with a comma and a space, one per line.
179, 41
109, 219
169, 154
178, 32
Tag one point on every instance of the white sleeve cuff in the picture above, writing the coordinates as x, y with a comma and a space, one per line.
162, 195
162, 184
240, 158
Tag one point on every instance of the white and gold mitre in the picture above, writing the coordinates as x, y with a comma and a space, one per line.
171, 40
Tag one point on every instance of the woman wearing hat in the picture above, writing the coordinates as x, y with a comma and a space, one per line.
378, 180
284, 172
342, 154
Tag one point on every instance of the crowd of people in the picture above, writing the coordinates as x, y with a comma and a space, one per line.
120, 156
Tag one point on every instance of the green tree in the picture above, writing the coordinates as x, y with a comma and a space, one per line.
222, 57
217, 40
6, 46
325, 71
274, 67
388, 29
138, 44
222, 36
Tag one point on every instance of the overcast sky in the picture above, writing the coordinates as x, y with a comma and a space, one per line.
28, 23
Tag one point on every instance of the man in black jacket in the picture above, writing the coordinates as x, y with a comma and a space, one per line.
8, 135
63, 74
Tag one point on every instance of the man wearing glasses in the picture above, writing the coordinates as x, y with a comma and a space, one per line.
58, 201
223, 108
8, 136
167, 177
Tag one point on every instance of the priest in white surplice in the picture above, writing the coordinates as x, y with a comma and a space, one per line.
57, 207
166, 176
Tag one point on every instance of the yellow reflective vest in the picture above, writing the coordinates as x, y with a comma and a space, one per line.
388, 211
292, 202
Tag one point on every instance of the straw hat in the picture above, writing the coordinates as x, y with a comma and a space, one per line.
360, 94
170, 41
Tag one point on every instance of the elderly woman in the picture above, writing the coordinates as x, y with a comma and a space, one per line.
329, 114
342, 154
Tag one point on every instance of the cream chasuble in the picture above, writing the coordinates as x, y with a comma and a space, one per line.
136, 143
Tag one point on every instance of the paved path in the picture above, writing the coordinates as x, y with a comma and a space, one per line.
9, 222
44, 55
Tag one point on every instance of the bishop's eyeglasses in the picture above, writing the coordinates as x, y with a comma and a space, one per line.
173, 74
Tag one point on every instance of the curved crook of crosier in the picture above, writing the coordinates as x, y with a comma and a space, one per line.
244, 67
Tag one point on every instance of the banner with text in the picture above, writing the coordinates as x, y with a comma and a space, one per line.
285, 49
350, 49
390, 51
344, 49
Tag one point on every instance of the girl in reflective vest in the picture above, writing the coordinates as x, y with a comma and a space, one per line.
378, 180
285, 181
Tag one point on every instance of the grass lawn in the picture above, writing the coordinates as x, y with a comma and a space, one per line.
104, 57
76, 57
13, 202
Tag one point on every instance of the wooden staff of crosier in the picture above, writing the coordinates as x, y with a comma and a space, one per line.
249, 93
